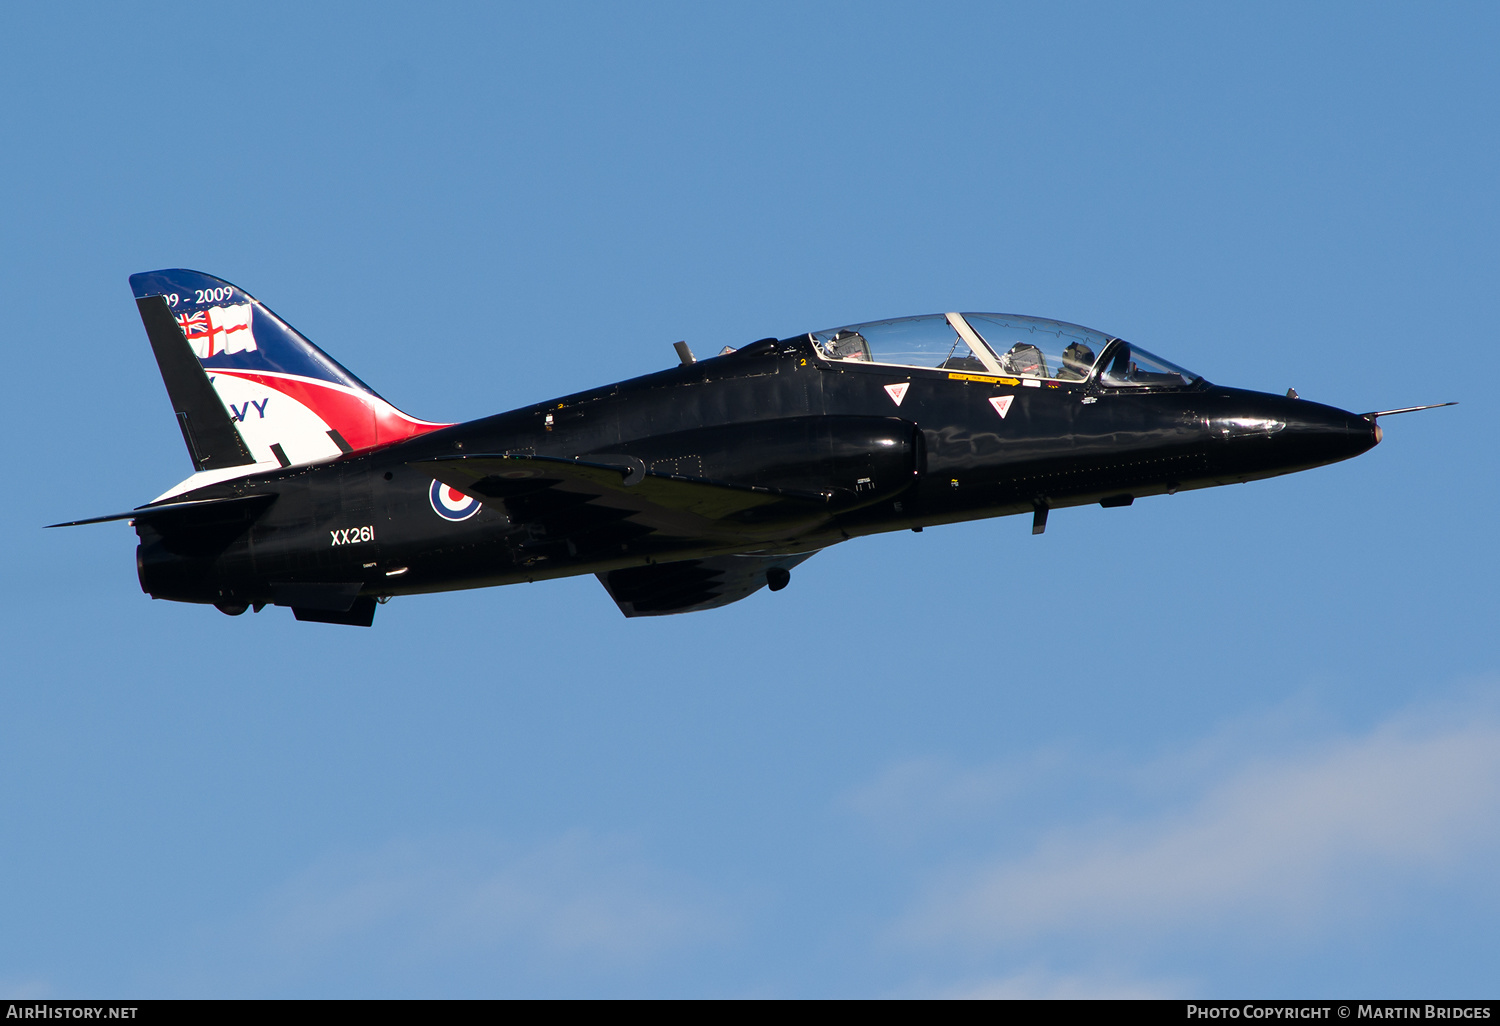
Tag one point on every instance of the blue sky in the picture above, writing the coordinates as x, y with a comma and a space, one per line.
1236, 742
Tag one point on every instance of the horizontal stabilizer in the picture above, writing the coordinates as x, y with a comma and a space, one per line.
664, 503
205, 511
693, 584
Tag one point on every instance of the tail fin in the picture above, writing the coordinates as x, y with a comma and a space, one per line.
210, 434
286, 400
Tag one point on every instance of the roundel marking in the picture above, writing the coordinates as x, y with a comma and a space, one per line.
450, 503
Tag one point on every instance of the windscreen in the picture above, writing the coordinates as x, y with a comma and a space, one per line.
1130, 366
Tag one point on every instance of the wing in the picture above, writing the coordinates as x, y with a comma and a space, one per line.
619, 500
693, 584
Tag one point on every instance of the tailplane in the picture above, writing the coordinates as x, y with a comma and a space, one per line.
284, 401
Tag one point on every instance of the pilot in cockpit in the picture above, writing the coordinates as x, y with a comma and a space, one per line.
1078, 360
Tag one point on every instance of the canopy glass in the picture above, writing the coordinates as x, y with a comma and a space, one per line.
1005, 345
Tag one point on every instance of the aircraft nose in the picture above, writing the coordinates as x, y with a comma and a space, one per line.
1294, 433
1327, 433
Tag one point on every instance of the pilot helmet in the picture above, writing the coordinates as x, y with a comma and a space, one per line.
1079, 356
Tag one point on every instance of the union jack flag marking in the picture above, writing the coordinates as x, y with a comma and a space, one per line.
194, 326
219, 329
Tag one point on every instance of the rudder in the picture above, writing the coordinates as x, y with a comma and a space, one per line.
213, 442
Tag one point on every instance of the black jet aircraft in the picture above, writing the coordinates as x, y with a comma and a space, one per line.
685, 489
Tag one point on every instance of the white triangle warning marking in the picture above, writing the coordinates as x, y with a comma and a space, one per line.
898, 392
1001, 403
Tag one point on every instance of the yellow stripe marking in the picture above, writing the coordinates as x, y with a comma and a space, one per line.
984, 378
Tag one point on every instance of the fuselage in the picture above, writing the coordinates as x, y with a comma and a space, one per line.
888, 447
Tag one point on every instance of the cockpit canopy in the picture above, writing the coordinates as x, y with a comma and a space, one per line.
1003, 344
